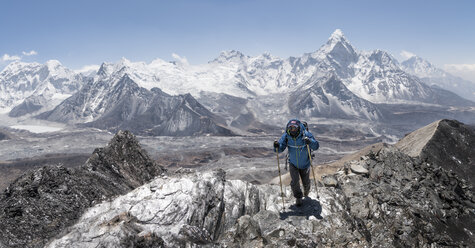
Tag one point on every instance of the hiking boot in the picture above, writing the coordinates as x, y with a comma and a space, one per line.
298, 202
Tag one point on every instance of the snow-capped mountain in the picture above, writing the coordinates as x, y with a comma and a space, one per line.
29, 87
374, 76
434, 76
124, 94
123, 104
329, 97
177, 77
379, 79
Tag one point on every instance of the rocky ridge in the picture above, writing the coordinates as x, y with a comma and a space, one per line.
42, 203
399, 201
385, 198
447, 143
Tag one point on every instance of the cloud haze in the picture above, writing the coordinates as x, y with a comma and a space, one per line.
30, 53
406, 54
181, 60
466, 71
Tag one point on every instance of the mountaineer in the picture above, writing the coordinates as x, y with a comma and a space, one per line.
296, 138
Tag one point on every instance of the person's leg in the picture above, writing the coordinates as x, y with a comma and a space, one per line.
305, 175
295, 182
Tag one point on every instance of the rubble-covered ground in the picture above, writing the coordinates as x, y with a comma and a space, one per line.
396, 201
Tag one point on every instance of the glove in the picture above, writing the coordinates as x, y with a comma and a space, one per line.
306, 140
276, 144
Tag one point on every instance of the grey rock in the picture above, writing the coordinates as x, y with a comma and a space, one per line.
4, 135
195, 235
402, 202
31, 104
446, 143
42, 203
330, 181
358, 168
364, 211
247, 233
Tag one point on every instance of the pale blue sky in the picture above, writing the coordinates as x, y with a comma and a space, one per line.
79, 33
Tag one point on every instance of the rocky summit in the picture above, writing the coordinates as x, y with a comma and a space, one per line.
447, 143
42, 203
386, 198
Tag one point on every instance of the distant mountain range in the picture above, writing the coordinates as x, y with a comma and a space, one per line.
34, 87
434, 76
122, 104
164, 98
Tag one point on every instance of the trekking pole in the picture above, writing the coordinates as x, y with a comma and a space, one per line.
313, 171
280, 178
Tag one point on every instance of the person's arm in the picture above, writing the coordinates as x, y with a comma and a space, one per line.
282, 143
314, 145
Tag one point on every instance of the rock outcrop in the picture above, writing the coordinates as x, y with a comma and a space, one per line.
399, 202
42, 203
446, 143
4, 135
384, 199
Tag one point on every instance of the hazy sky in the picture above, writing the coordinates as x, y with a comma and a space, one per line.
80, 33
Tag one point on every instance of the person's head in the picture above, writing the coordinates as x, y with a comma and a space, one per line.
293, 128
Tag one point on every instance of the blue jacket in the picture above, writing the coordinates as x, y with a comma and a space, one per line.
298, 152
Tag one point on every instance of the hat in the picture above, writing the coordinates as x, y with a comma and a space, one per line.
293, 128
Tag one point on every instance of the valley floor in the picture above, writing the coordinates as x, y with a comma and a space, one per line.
248, 158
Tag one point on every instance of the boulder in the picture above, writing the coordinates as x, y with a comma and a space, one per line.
358, 168
330, 181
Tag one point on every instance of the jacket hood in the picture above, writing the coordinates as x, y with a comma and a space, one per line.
291, 121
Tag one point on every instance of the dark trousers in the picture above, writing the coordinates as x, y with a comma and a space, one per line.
297, 174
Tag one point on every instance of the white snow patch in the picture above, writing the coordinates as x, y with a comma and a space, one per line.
456, 160
60, 96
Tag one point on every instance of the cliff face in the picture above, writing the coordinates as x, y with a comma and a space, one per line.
42, 203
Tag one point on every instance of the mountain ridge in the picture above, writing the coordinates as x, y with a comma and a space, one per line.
41, 203
29, 83
370, 79
123, 104
435, 76
242, 76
